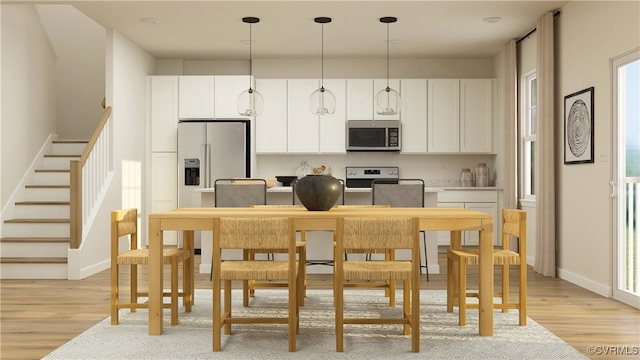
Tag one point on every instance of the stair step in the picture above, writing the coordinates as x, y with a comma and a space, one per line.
52, 170
32, 260
70, 142
48, 186
34, 202
62, 155
37, 221
35, 239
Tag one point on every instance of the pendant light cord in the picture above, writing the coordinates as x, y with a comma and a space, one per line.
322, 59
387, 56
250, 54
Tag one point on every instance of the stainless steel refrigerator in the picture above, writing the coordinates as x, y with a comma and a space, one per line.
210, 150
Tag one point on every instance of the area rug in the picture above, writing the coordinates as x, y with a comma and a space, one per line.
440, 335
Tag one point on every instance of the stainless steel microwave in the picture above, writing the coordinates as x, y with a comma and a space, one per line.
373, 135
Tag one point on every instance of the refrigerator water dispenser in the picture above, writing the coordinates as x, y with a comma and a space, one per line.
192, 172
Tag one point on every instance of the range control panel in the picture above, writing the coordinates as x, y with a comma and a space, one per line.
363, 176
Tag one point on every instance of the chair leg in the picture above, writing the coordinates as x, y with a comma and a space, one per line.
451, 283
227, 306
406, 304
415, 315
339, 305
293, 311
522, 301
505, 287
114, 293
462, 292
134, 286
426, 259
174, 291
217, 318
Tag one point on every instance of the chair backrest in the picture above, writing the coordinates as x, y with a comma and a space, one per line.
296, 200
123, 222
240, 192
406, 193
514, 223
257, 233
378, 233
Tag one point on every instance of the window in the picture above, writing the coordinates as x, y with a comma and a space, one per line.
528, 126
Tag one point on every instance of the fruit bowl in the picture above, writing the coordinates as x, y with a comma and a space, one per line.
286, 180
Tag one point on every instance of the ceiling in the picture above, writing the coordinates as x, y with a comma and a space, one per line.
213, 30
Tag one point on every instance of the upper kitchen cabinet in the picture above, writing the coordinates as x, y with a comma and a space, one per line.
227, 90
414, 115
196, 100
271, 125
333, 126
361, 95
460, 115
303, 133
162, 93
209, 97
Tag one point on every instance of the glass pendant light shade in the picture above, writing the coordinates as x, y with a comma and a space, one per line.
322, 102
250, 103
388, 100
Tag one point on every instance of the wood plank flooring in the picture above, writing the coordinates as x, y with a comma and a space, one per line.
38, 316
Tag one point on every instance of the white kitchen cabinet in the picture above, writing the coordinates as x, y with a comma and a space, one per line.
164, 187
302, 125
381, 84
414, 116
196, 97
476, 115
271, 125
479, 200
460, 115
360, 99
162, 92
333, 126
226, 92
443, 115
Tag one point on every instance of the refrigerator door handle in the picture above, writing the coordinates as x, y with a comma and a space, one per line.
207, 169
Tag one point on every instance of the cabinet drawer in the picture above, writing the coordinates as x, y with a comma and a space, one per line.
468, 196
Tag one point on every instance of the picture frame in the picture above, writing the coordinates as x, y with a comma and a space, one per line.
579, 127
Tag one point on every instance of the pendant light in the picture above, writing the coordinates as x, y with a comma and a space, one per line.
387, 99
250, 102
322, 101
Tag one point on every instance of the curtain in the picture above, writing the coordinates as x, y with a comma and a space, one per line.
545, 262
510, 151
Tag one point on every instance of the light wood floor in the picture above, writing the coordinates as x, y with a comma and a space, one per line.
38, 316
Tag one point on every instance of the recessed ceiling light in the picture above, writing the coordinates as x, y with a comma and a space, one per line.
492, 19
150, 21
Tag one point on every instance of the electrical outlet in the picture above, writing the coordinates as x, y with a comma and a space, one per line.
602, 156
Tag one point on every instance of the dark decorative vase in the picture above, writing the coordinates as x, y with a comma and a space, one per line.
318, 192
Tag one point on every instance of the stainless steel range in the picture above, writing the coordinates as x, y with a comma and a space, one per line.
363, 176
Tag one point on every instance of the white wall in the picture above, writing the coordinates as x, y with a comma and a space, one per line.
28, 94
127, 68
588, 35
79, 45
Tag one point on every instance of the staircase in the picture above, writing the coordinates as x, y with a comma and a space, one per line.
35, 242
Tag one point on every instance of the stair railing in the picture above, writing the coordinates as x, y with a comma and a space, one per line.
89, 175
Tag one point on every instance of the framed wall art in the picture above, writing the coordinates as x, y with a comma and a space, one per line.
578, 127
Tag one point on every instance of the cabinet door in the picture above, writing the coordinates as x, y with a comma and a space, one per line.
471, 237
164, 187
271, 125
443, 109
333, 126
163, 112
360, 99
476, 115
227, 90
196, 97
414, 115
302, 125
381, 84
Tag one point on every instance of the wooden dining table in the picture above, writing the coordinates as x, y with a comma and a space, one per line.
454, 220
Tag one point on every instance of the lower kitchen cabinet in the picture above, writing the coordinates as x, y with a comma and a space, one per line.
480, 200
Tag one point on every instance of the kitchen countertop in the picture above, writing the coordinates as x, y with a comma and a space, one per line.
427, 189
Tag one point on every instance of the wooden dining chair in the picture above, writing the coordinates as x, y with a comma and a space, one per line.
301, 249
514, 223
125, 223
390, 233
254, 233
